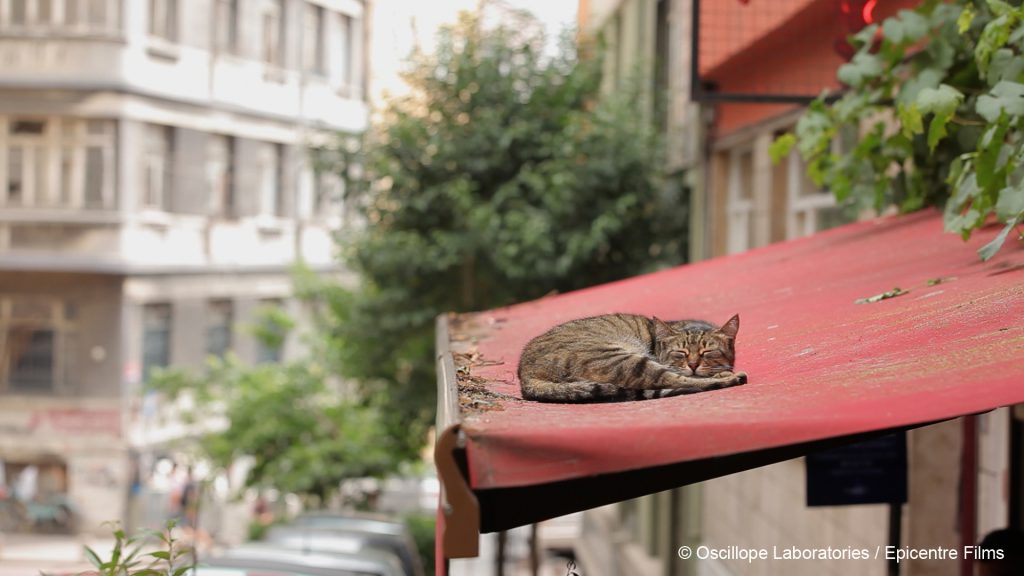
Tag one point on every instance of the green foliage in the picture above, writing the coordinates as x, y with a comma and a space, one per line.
128, 559
272, 326
502, 177
304, 434
421, 528
933, 115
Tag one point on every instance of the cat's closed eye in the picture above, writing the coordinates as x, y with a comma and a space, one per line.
711, 354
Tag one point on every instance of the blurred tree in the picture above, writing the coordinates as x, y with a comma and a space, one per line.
303, 436
501, 177
303, 433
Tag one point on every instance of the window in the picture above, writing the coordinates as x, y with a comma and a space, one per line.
328, 189
305, 193
220, 174
156, 337
341, 53
35, 334
740, 201
163, 21
809, 209
156, 167
67, 163
226, 25
313, 39
273, 33
270, 179
19, 12
88, 16
219, 317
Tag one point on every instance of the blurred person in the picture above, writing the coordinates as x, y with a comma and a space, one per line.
262, 512
182, 498
1009, 541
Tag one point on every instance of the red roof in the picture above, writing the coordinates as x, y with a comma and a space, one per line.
820, 365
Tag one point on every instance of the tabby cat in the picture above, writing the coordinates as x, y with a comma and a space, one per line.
628, 357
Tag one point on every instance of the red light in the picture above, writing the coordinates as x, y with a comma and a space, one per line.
868, 12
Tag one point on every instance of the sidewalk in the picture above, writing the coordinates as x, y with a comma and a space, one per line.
28, 554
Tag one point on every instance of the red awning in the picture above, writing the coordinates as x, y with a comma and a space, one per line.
822, 370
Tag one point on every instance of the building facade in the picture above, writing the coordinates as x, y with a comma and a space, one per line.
156, 188
964, 476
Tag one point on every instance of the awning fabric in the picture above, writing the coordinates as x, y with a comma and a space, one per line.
821, 366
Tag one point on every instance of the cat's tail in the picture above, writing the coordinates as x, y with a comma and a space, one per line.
581, 391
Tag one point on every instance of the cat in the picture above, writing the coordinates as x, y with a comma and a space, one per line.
628, 357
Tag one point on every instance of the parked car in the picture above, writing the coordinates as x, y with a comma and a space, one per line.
350, 521
321, 539
267, 560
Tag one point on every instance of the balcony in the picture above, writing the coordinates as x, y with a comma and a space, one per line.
123, 57
154, 242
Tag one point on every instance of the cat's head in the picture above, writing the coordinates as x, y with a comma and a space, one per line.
697, 348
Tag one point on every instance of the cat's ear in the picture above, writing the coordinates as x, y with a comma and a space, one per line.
662, 329
731, 327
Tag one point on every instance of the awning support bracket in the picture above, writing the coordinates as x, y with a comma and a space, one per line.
461, 531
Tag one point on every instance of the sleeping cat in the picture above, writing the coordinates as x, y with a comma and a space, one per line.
628, 357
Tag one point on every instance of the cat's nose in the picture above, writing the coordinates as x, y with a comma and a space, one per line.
693, 364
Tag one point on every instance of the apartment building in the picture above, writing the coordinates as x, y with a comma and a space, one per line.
755, 59
155, 189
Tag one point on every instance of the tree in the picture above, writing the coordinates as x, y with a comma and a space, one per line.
932, 115
502, 177
302, 434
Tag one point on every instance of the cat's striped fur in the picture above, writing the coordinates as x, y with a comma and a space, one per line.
628, 357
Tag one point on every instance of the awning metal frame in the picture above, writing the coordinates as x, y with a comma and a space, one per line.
459, 521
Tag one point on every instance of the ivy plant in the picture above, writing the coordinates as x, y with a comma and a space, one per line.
932, 114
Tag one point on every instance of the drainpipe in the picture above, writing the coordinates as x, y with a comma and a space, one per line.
968, 490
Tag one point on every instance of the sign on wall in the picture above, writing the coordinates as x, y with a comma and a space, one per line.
870, 472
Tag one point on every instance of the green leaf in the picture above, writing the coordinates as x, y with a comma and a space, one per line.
883, 296
1005, 65
927, 78
989, 250
1005, 97
93, 557
866, 36
937, 130
915, 25
781, 147
910, 120
863, 67
907, 27
943, 100
893, 30
1011, 202
963, 22
160, 554
993, 37
999, 8
990, 150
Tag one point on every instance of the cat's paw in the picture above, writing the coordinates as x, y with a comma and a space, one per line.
728, 378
